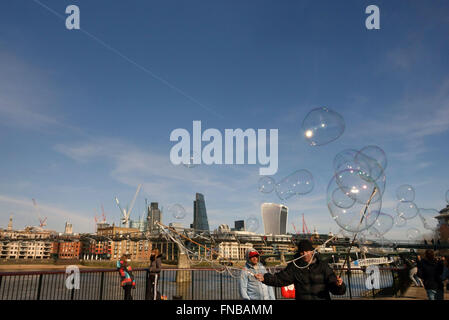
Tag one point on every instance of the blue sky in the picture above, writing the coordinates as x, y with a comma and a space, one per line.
85, 116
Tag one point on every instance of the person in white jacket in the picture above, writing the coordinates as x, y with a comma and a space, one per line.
250, 287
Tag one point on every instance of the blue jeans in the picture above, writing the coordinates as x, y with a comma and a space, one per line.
435, 294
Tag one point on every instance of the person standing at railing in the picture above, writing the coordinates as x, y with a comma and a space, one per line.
430, 271
127, 278
154, 270
312, 277
250, 287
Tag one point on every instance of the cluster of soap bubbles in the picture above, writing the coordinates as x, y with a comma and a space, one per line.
354, 194
177, 211
298, 183
407, 210
322, 126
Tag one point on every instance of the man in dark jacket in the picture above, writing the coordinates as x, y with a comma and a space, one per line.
312, 277
430, 271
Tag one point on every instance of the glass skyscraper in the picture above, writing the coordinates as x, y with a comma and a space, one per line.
154, 215
200, 222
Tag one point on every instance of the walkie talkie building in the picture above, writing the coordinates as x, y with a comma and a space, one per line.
274, 218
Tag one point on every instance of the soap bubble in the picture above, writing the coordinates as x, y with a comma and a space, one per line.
428, 219
399, 221
405, 193
177, 211
376, 153
252, 224
407, 209
322, 126
373, 167
447, 196
297, 183
358, 186
353, 159
361, 215
266, 184
413, 234
382, 225
342, 199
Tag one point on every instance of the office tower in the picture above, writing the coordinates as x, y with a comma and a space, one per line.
239, 225
200, 222
154, 215
68, 228
274, 218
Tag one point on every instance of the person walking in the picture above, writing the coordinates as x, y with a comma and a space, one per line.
154, 270
413, 271
127, 278
312, 277
250, 287
430, 270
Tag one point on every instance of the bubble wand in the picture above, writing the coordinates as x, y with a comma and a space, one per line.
355, 235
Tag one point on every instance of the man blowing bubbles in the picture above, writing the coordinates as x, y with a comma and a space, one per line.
312, 277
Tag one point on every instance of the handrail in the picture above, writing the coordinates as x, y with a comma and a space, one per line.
25, 273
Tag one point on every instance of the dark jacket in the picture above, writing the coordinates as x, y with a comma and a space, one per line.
311, 283
430, 272
155, 264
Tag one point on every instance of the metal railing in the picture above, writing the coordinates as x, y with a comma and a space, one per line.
204, 284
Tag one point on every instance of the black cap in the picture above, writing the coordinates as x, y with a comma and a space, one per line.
305, 245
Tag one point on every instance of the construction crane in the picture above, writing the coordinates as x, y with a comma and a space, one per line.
127, 212
305, 230
294, 228
103, 215
42, 221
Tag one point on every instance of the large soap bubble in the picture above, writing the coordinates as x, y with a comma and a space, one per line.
376, 153
358, 186
405, 193
266, 184
382, 225
321, 126
413, 234
399, 221
252, 224
342, 199
177, 211
407, 209
427, 217
353, 159
359, 216
297, 183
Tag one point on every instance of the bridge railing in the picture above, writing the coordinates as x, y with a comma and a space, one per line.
204, 284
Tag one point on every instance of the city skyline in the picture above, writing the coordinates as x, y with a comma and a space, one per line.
86, 115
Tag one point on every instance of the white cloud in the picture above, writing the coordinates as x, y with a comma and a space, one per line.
24, 210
